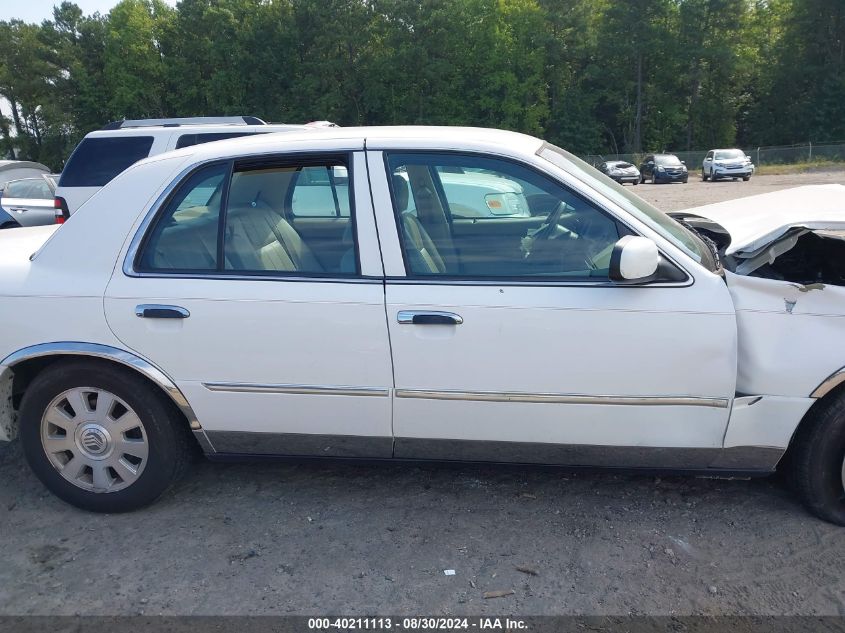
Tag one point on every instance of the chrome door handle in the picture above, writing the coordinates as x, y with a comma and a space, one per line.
157, 311
427, 317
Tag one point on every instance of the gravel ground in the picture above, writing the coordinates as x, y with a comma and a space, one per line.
676, 196
267, 538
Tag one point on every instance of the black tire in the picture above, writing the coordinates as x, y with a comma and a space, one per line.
703, 175
636, 182
167, 436
816, 459
685, 180
746, 178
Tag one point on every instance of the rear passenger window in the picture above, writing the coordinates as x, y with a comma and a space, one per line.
261, 233
186, 235
321, 191
96, 161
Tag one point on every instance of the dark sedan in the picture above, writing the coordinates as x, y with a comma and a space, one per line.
621, 171
663, 168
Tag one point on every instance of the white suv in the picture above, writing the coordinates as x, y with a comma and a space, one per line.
726, 163
103, 154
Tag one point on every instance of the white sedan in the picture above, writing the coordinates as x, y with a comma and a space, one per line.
189, 304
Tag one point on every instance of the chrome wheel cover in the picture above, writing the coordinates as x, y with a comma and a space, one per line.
94, 440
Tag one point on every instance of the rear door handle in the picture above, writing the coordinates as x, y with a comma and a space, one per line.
157, 311
413, 317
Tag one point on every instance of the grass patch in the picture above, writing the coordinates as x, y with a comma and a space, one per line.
800, 168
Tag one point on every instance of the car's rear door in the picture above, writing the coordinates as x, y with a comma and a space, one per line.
29, 202
513, 345
282, 345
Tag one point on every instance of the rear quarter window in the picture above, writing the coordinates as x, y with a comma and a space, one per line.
188, 140
96, 161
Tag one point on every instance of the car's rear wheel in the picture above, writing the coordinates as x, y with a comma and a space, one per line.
817, 460
102, 438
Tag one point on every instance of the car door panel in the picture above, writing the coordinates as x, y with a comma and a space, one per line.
30, 212
550, 365
272, 364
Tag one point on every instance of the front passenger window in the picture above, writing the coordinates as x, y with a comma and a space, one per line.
477, 217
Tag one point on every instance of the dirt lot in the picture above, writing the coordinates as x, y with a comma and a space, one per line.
673, 197
322, 538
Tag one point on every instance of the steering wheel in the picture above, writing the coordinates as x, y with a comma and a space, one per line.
550, 231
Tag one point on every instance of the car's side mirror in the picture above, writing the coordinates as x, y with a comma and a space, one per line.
633, 258
651, 162
683, 162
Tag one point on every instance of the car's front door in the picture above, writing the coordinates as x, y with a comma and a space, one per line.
274, 331
510, 343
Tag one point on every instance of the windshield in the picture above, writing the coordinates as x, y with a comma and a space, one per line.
667, 159
725, 154
680, 236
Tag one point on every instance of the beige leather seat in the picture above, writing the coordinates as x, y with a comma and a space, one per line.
420, 249
258, 238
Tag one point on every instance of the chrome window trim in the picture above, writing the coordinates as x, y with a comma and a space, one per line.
310, 390
493, 396
96, 350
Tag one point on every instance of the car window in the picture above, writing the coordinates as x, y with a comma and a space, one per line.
260, 234
667, 159
480, 217
32, 188
728, 154
321, 192
189, 140
96, 161
185, 237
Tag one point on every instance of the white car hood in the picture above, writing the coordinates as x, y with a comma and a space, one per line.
756, 221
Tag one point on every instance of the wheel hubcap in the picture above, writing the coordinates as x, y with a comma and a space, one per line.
94, 439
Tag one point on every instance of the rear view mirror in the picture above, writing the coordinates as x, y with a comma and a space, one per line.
634, 258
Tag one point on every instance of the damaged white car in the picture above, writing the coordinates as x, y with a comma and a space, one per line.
188, 305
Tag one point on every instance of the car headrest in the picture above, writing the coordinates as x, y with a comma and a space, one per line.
400, 191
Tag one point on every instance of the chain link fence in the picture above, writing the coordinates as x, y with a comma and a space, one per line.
772, 155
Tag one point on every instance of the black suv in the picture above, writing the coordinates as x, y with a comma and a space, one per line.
663, 168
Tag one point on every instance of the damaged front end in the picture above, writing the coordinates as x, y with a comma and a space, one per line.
784, 260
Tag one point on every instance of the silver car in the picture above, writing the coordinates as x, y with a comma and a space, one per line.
29, 202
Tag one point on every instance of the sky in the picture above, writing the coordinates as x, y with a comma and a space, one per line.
38, 10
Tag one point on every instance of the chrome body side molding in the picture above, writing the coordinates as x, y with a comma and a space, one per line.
96, 350
491, 396
311, 390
